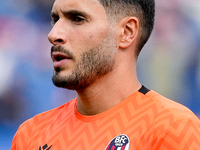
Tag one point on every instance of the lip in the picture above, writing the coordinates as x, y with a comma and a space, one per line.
59, 59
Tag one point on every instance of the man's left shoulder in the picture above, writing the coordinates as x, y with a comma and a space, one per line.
168, 110
172, 112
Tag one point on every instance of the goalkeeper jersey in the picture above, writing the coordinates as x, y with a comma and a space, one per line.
143, 121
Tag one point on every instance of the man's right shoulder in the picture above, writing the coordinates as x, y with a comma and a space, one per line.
47, 117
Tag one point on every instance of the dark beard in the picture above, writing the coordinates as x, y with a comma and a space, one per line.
92, 65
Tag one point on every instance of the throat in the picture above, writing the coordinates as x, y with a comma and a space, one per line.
89, 108
96, 105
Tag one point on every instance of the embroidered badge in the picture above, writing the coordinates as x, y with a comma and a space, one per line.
120, 142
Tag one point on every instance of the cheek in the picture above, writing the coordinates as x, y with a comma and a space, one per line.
95, 37
83, 39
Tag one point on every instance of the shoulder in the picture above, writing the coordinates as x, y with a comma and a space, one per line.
159, 106
168, 107
44, 119
174, 124
39, 124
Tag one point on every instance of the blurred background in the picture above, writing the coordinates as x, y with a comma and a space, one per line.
168, 64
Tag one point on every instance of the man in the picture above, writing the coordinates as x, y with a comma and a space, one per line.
95, 48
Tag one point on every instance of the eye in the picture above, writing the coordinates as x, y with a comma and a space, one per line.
78, 19
54, 20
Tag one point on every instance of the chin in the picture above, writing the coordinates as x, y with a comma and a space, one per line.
69, 82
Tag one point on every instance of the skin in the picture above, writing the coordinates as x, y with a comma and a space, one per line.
81, 36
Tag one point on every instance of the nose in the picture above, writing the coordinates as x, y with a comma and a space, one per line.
57, 35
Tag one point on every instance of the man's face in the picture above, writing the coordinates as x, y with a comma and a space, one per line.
84, 43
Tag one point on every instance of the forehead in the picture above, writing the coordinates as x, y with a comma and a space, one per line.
90, 6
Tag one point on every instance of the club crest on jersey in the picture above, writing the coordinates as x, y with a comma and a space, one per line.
120, 142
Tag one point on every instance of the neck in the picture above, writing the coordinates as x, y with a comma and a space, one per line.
107, 92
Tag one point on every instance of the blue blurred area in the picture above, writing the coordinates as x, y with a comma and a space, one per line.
168, 64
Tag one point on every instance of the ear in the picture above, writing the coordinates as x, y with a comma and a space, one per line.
129, 31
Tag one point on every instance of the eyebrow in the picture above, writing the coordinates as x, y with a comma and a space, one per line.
70, 12
75, 12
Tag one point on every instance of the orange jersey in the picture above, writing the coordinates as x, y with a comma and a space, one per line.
143, 121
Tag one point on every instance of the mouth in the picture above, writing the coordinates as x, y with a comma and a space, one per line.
59, 59
57, 56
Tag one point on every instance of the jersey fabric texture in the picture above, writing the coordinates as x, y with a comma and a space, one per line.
143, 121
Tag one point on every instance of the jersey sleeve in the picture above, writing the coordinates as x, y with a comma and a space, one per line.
19, 140
181, 135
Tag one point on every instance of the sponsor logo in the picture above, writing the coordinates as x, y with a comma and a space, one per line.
120, 142
45, 147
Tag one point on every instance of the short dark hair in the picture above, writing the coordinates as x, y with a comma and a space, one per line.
144, 10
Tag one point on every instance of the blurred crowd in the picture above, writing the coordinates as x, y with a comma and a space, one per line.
168, 64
